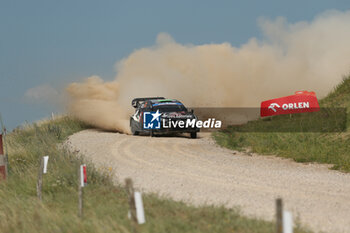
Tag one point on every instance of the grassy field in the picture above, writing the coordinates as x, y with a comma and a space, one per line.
105, 204
324, 143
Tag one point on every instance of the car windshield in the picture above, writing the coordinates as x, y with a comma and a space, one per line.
170, 108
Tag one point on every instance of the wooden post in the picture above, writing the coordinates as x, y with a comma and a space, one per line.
2, 167
6, 165
3, 173
3, 145
279, 215
39, 183
130, 191
5, 151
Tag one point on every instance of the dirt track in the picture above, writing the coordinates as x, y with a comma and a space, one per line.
199, 172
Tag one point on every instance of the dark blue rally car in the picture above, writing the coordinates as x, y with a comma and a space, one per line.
157, 115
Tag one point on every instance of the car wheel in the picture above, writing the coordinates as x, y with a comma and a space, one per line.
194, 135
134, 132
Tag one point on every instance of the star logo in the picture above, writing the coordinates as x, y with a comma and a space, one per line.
155, 115
151, 120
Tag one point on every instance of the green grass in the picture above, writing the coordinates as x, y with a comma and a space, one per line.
106, 205
331, 144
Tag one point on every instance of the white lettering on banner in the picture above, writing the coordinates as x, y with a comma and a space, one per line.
299, 105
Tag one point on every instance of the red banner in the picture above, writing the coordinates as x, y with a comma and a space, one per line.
301, 101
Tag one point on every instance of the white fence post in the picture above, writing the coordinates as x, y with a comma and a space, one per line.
287, 222
140, 212
46, 160
42, 170
82, 181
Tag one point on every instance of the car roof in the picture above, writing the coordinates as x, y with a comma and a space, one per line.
164, 101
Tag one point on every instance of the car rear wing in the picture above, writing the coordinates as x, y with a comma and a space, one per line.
135, 102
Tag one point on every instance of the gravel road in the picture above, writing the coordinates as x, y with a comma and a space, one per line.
197, 171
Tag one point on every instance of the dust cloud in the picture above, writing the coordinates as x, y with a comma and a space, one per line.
310, 56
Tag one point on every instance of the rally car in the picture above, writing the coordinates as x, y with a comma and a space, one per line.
157, 115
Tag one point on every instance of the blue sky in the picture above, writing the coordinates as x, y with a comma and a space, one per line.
56, 42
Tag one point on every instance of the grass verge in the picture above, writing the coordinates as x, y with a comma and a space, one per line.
322, 147
105, 204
